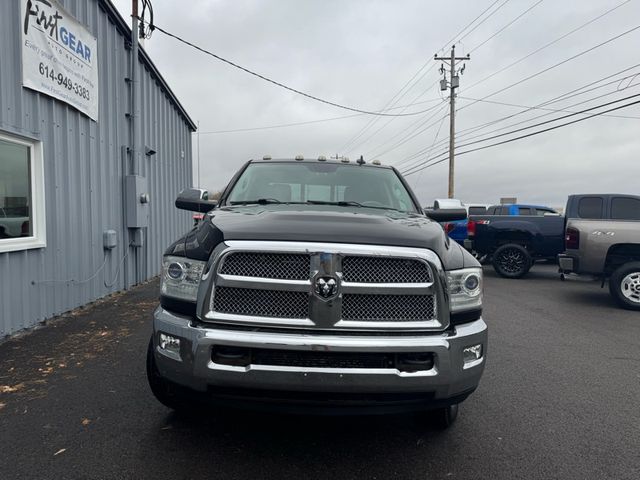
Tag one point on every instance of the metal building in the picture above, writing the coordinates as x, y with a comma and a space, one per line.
76, 223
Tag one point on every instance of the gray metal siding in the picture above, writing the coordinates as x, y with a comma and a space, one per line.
84, 176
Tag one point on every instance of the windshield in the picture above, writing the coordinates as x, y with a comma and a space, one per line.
330, 183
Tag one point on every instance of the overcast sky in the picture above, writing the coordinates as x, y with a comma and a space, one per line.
362, 52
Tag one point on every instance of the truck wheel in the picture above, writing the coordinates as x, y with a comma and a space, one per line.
443, 418
624, 285
160, 388
512, 261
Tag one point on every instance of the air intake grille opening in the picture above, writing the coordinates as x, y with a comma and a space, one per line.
384, 270
288, 266
388, 308
261, 303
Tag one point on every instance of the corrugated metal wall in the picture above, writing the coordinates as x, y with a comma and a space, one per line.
84, 175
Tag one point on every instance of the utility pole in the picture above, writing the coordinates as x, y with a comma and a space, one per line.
454, 82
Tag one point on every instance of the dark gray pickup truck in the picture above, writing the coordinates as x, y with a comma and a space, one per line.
318, 285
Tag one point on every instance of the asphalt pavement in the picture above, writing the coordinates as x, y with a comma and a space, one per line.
560, 398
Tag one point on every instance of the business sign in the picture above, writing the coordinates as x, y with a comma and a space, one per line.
59, 55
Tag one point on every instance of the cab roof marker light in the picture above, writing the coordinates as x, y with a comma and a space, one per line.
322, 158
345, 160
376, 162
267, 157
299, 157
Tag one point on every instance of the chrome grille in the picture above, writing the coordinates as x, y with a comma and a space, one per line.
261, 303
361, 269
388, 308
288, 266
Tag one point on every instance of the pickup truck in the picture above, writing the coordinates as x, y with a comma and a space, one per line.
318, 286
514, 242
604, 241
459, 230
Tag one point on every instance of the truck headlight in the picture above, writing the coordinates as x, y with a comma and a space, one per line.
181, 277
465, 289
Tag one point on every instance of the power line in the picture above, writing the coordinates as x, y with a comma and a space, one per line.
583, 112
562, 37
446, 44
525, 136
555, 110
419, 153
565, 96
410, 135
507, 25
550, 121
483, 20
479, 127
373, 134
282, 85
544, 70
349, 144
308, 122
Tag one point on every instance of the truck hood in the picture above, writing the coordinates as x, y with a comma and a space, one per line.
321, 223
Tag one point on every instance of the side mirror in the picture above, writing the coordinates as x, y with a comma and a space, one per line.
446, 214
195, 200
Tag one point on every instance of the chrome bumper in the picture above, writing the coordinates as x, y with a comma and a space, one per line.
195, 369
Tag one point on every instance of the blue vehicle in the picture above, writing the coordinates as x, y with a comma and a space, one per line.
459, 230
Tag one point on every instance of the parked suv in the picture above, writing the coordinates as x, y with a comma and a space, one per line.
318, 285
603, 239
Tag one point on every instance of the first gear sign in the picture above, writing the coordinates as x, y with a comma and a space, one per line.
59, 55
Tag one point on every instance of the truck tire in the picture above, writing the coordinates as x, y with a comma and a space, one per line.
512, 261
443, 418
160, 388
624, 285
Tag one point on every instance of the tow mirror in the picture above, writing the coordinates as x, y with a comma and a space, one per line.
446, 214
195, 200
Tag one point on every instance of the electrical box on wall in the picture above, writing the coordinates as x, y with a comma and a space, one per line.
109, 239
137, 201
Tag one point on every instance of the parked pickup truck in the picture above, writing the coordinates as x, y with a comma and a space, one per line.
459, 231
514, 242
604, 241
318, 285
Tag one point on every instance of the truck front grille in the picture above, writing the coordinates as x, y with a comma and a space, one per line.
388, 308
261, 303
289, 266
361, 269
280, 285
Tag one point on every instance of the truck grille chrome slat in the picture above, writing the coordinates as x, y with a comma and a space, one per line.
388, 308
285, 285
361, 269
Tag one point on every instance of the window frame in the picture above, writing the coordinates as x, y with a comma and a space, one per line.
38, 239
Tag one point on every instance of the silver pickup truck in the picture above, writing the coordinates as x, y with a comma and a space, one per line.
602, 239
318, 285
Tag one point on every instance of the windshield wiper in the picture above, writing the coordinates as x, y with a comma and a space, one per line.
340, 204
259, 201
351, 204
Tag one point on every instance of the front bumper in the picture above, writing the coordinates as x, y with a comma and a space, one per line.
194, 368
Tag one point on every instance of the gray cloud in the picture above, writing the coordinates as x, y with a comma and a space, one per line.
362, 52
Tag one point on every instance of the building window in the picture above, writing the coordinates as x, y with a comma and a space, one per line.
22, 221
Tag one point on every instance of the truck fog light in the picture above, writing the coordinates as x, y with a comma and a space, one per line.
472, 353
169, 344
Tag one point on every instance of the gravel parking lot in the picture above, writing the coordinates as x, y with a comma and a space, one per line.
559, 399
